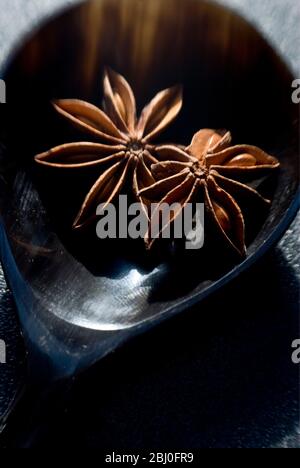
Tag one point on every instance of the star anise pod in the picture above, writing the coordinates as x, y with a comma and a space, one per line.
124, 150
207, 170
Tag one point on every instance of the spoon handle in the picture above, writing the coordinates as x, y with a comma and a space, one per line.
34, 410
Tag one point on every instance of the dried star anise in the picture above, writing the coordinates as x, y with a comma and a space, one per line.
208, 169
127, 152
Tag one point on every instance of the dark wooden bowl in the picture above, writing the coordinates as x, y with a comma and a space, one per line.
232, 79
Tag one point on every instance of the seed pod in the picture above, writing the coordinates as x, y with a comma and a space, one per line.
222, 217
120, 105
243, 160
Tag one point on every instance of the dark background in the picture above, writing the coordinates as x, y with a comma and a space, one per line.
220, 375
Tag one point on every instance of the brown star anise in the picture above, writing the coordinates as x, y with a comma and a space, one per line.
125, 150
208, 169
